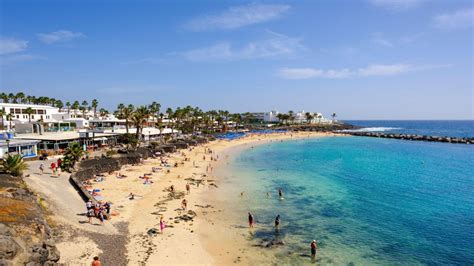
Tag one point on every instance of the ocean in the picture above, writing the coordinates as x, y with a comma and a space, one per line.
450, 128
367, 201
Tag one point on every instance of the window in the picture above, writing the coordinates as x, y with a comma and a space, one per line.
17, 111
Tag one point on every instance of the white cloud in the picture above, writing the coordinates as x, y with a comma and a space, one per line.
379, 39
16, 58
396, 4
369, 71
10, 46
236, 17
460, 19
59, 36
277, 45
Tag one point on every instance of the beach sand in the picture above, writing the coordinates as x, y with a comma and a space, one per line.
209, 236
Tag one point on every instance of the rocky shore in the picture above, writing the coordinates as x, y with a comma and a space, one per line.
26, 237
413, 137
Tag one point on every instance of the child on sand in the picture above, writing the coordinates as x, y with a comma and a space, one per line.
41, 167
184, 204
188, 188
162, 224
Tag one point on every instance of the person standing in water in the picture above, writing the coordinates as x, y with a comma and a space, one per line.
314, 246
250, 220
277, 221
280, 193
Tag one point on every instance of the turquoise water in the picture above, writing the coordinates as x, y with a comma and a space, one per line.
366, 200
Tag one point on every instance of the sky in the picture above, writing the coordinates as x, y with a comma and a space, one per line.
363, 59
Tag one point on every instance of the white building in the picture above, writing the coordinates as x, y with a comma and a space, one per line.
40, 112
271, 117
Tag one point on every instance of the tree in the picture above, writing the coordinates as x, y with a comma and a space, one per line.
291, 116
10, 119
333, 116
84, 106
72, 155
12, 97
68, 105
125, 113
95, 103
75, 106
309, 117
4, 97
2, 113
14, 165
139, 118
129, 140
29, 111
154, 108
20, 97
103, 112
59, 104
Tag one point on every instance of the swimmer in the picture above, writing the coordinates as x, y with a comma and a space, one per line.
250, 220
277, 221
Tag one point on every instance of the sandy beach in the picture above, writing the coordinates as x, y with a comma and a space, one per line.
204, 233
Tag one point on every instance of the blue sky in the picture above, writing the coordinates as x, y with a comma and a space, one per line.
367, 59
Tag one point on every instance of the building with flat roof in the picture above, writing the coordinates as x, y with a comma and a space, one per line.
27, 148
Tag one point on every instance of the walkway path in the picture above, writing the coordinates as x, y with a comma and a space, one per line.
62, 198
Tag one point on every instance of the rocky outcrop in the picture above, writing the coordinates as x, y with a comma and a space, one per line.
414, 137
25, 235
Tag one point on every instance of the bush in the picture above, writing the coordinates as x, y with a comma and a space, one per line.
72, 155
14, 165
129, 140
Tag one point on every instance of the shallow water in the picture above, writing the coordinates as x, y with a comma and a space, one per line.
366, 200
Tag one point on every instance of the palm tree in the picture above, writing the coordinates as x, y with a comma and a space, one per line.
95, 103
154, 110
72, 155
139, 118
75, 106
4, 97
29, 111
125, 113
14, 165
20, 97
291, 115
68, 105
309, 117
10, 119
333, 116
2, 113
85, 105
103, 112
59, 104
12, 97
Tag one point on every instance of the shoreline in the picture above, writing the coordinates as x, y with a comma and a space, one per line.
201, 239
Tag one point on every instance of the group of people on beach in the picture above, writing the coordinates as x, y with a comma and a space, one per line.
99, 210
251, 221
